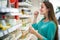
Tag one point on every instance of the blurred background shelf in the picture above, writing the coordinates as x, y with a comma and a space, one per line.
2, 33
25, 16
14, 28
18, 36
24, 4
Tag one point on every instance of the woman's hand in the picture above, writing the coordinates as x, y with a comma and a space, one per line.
36, 14
35, 33
31, 30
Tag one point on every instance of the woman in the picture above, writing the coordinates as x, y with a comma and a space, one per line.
47, 27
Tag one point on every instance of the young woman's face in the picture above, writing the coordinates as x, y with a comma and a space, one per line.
43, 9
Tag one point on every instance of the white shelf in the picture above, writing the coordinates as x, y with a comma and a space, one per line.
24, 16
19, 35
25, 8
13, 10
14, 28
2, 33
26, 27
24, 4
31, 37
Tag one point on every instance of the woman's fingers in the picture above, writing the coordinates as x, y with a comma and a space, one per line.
36, 13
31, 30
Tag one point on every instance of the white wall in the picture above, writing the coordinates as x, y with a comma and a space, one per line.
55, 3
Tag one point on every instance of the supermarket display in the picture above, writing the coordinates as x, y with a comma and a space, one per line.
15, 19
14, 25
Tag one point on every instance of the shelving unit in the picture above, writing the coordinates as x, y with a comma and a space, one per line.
3, 3
25, 4
18, 36
24, 16
14, 27
10, 30
12, 12
30, 37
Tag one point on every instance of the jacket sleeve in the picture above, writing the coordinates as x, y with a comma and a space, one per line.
35, 26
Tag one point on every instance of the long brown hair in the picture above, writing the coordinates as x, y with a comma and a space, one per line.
51, 16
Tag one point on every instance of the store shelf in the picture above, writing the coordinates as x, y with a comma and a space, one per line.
14, 28
24, 16
2, 33
25, 9
14, 10
18, 36
26, 27
24, 4
30, 37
